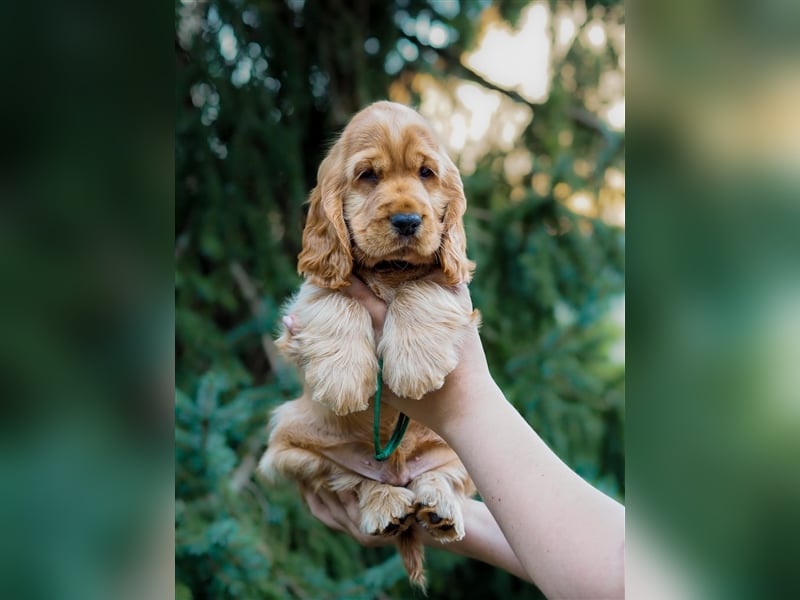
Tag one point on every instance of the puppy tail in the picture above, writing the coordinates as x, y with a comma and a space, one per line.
413, 554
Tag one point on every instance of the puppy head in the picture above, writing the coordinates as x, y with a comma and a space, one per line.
387, 191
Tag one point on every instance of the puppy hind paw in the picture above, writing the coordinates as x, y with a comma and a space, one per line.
441, 526
438, 508
388, 513
396, 526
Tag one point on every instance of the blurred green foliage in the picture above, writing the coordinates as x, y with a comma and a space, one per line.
262, 89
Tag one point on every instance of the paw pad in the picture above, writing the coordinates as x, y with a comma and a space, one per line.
395, 527
442, 528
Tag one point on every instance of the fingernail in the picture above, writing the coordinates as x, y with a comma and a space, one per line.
288, 322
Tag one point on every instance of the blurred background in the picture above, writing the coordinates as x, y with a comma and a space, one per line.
528, 97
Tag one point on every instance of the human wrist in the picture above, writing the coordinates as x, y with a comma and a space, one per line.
466, 387
461, 403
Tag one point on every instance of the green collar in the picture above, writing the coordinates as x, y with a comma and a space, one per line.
382, 454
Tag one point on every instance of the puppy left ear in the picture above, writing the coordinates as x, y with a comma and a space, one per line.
453, 251
325, 258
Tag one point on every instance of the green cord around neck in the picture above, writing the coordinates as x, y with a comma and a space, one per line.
382, 454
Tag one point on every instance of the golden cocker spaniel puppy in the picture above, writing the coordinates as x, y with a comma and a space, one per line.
387, 207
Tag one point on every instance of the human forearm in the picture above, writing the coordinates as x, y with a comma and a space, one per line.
568, 536
484, 541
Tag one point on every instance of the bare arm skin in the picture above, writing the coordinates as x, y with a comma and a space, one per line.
568, 537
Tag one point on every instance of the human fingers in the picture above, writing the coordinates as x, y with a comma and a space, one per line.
346, 512
320, 509
340, 512
349, 502
291, 324
376, 307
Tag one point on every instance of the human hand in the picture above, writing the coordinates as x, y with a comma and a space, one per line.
484, 541
357, 290
439, 407
340, 512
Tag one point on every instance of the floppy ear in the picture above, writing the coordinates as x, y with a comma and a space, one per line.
453, 251
325, 258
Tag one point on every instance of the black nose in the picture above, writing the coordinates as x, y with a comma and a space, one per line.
406, 223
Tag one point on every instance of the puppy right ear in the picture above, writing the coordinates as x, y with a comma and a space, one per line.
325, 259
453, 252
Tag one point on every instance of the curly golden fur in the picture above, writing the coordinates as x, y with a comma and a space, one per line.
388, 207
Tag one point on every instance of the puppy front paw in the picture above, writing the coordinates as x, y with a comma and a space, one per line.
343, 389
412, 370
422, 337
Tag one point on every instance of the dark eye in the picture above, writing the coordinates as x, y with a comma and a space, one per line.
368, 175
425, 172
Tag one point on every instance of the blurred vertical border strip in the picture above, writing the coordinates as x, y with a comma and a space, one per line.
714, 291
86, 359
